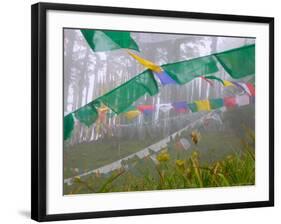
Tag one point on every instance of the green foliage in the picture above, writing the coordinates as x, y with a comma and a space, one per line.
175, 169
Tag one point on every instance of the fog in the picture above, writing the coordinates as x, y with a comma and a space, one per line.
88, 75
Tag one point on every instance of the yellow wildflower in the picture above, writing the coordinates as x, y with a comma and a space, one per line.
77, 179
229, 158
163, 156
188, 173
195, 137
180, 163
217, 168
194, 154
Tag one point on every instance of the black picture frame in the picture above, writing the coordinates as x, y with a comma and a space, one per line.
39, 107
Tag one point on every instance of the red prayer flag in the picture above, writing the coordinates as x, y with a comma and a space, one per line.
251, 88
145, 108
229, 101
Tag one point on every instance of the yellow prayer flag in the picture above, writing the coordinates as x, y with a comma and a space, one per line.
103, 109
203, 105
130, 115
146, 63
227, 83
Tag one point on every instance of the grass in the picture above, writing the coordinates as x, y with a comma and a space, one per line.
89, 156
177, 169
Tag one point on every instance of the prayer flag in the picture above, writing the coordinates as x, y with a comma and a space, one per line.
164, 78
146, 63
242, 100
227, 83
203, 105
192, 107
180, 107
146, 109
87, 115
251, 88
164, 107
208, 81
184, 71
229, 101
130, 115
248, 88
102, 115
214, 78
122, 97
109, 40
238, 62
216, 103
68, 125
239, 86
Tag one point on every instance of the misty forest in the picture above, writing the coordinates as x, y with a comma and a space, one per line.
156, 114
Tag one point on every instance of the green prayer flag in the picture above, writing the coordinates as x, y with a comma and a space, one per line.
238, 62
87, 114
192, 107
68, 125
184, 71
122, 97
109, 40
216, 103
214, 78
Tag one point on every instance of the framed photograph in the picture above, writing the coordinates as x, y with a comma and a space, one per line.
139, 111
